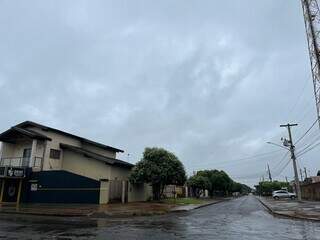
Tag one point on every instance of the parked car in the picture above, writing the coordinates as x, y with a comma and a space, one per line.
283, 194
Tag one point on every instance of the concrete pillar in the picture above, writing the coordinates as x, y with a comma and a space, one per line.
104, 191
33, 152
186, 191
123, 195
1, 150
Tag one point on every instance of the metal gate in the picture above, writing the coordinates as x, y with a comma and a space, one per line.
115, 191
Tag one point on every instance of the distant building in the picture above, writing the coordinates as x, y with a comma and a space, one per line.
40, 164
310, 188
313, 179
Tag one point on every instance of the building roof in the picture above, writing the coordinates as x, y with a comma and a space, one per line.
89, 154
26, 124
7, 135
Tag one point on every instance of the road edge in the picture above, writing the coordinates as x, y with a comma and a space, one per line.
199, 206
276, 213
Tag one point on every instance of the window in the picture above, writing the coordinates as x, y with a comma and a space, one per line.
27, 153
55, 154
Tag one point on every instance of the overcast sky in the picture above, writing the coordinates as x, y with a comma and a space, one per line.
209, 80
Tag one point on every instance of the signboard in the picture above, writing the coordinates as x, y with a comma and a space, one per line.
34, 187
15, 172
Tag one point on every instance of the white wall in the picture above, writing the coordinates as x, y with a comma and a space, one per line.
56, 164
139, 192
92, 168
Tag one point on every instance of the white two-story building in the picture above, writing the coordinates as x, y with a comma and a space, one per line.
40, 164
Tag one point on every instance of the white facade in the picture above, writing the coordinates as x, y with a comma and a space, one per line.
80, 156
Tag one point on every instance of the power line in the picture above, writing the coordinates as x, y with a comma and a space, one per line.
306, 111
283, 168
299, 98
280, 162
303, 135
308, 145
264, 173
311, 137
308, 150
244, 159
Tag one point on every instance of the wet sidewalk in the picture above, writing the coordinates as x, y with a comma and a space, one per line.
308, 210
101, 211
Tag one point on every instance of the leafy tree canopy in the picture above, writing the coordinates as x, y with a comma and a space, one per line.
198, 184
266, 187
216, 182
219, 181
158, 167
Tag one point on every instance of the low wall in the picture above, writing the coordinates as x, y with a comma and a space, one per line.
311, 191
139, 192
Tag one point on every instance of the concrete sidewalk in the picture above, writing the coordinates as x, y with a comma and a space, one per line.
101, 211
292, 208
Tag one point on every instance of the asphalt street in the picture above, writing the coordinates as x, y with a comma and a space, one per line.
243, 218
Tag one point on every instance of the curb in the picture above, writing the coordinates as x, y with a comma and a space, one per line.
44, 214
275, 213
199, 206
208, 204
95, 215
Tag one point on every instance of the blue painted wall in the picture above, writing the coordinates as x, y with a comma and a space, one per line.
60, 187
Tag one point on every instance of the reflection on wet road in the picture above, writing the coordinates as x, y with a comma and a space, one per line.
242, 218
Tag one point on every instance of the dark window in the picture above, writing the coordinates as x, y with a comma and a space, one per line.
26, 152
55, 154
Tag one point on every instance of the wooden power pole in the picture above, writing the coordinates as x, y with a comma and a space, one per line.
289, 143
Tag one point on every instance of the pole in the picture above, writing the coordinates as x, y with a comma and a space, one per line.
270, 178
305, 173
301, 175
293, 157
286, 179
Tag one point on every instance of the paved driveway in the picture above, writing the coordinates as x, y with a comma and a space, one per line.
242, 218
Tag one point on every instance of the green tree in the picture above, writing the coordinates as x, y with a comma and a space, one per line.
220, 182
236, 187
198, 184
266, 188
159, 168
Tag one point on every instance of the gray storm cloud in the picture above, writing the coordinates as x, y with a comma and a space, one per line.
209, 80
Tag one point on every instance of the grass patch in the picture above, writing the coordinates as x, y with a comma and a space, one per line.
182, 201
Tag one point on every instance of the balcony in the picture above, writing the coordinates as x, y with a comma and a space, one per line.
35, 162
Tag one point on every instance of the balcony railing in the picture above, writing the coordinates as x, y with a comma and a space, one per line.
21, 162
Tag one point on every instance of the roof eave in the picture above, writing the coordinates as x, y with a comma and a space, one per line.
105, 147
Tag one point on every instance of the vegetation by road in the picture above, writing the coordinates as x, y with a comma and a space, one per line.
266, 188
158, 167
216, 182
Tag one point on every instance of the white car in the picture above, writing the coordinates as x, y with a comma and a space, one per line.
283, 194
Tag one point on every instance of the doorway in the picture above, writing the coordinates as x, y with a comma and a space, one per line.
10, 190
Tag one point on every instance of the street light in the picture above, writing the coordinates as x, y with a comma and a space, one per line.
278, 145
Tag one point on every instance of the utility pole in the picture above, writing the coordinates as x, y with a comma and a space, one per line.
270, 178
301, 175
289, 143
286, 179
305, 173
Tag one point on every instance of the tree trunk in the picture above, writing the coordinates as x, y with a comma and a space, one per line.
156, 191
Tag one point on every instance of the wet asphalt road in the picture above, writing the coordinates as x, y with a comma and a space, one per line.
242, 218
